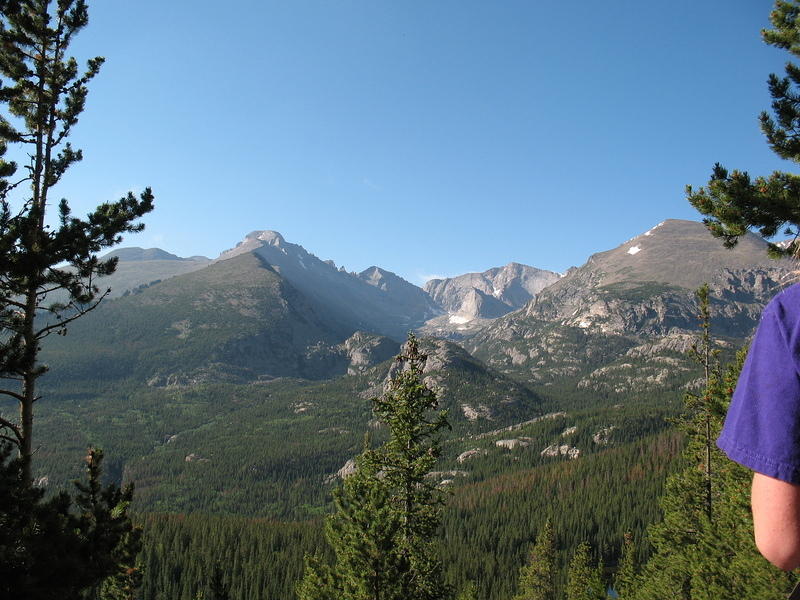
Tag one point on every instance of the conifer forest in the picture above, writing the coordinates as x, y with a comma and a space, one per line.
267, 426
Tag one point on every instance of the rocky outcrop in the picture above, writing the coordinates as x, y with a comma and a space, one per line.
515, 426
469, 454
522, 442
479, 412
561, 450
196, 458
603, 436
364, 350
347, 469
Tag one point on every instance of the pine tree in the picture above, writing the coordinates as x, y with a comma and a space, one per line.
703, 547
584, 582
44, 92
363, 535
537, 578
625, 577
387, 512
733, 202
65, 548
113, 542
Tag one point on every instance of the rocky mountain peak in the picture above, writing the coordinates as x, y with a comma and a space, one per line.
646, 285
375, 300
491, 293
266, 238
273, 238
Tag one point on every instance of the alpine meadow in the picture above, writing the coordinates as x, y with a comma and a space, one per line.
269, 425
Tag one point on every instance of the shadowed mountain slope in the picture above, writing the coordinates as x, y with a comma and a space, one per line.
233, 320
375, 300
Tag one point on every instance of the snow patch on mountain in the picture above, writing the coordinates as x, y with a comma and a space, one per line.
650, 231
458, 320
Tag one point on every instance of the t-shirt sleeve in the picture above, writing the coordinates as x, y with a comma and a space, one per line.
762, 428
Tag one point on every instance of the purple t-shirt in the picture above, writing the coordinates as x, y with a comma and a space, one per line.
762, 429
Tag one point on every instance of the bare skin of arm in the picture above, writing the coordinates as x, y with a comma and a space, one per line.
776, 517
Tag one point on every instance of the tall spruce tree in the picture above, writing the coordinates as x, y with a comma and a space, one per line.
44, 92
584, 581
625, 576
537, 579
732, 201
383, 532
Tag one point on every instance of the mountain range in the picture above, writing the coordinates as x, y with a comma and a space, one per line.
268, 308
220, 362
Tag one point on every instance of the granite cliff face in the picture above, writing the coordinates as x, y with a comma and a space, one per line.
492, 293
473, 300
472, 392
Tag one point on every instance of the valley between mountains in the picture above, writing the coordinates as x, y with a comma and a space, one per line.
241, 385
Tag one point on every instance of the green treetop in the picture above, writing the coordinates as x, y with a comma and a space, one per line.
388, 512
537, 578
584, 581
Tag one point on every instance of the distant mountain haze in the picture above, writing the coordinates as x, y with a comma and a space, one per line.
142, 266
374, 300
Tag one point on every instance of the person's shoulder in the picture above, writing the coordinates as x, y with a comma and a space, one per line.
785, 305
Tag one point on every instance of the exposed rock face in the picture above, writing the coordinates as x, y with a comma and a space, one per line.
473, 300
624, 320
562, 450
398, 288
492, 293
448, 365
465, 456
450, 474
301, 407
480, 412
364, 350
602, 437
348, 468
651, 291
522, 442
547, 417
196, 458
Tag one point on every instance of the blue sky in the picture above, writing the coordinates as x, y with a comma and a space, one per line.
429, 138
